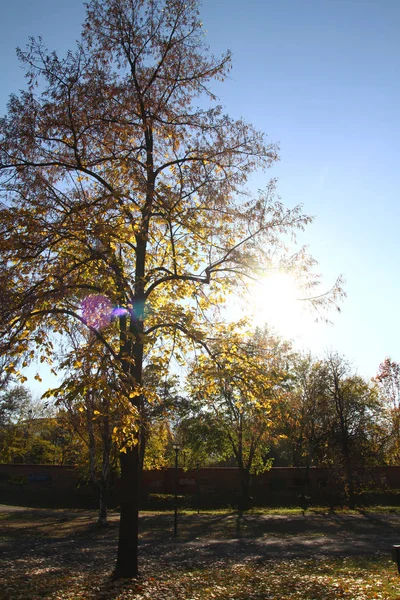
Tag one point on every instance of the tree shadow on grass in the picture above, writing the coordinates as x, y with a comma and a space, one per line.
380, 520
43, 550
246, 537
156, 527
44, 558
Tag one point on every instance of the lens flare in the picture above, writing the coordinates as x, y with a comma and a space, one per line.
119, 312
97, 310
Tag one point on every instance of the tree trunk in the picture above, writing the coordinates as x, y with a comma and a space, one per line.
349, 481
102, 519
348, 465
127, 556
245, 489
104, 483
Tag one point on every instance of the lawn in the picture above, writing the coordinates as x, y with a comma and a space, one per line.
63, 555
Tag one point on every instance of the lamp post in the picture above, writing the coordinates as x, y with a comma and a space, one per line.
198, 487
176, 447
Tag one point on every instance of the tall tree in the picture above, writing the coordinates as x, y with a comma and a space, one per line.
122, 199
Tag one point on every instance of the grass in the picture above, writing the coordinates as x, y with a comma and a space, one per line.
355, 579
279, 510
352, 579
62, 555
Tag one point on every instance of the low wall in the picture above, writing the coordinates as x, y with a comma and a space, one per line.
278, 486
62, 486
44, 485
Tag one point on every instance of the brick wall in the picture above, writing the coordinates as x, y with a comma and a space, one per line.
44, 485
52, 485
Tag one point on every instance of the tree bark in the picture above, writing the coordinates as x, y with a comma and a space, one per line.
104, 483
245, 489
102, 519
127, 556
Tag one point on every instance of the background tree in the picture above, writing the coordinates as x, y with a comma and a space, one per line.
237, 383
388, 380
158, 415
326, 402
354, 408
28, 428
300, 418
91, 404
6, 360
158, 445
203, 437
122, 203
14, 409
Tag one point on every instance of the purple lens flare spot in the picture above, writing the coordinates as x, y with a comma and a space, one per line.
96, 310
120, 312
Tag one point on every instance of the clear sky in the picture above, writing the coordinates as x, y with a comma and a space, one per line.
321, 77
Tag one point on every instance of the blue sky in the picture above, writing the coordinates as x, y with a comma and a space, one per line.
321, 78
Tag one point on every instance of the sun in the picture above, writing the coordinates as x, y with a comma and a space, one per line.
278, 301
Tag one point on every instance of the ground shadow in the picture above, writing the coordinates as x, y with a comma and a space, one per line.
40, 545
